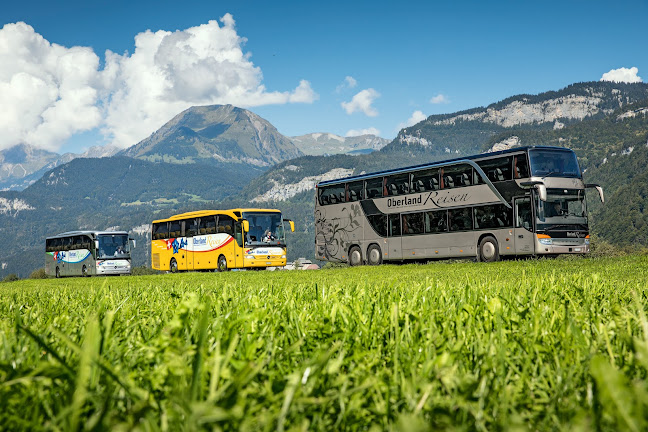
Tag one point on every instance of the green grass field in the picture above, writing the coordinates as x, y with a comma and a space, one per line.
528, 345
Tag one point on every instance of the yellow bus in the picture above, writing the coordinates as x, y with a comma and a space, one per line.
220, 240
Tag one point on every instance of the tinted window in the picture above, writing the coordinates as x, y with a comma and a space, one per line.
356, 191
492, 216
436, 221
413, 223
374, 187
520, 166
332, 195
498, 169
49, 245
175, 229
457, 176
225, 225
379, 224
393, 228
554, 163
460, 219
191, 227
397, 184
427, 180
160, 230
208, 225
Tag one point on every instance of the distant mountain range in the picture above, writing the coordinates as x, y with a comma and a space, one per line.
222, 156
23, 164
214, 135
321, 144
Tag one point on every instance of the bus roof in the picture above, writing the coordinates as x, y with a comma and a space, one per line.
229, 212
91, 233
438, 164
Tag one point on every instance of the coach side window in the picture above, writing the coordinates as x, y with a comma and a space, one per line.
191, 227
160, 230
427, 180
460, 219
498, 169
398, 184
379, 224
374, 187
225, 225
393, 227
457, 176
207, 225
332, 194
175, 230
412, 223
355, 191
436, 221
520, 166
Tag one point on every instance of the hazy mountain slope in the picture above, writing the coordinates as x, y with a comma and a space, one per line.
317, 144
215, 134
22, 165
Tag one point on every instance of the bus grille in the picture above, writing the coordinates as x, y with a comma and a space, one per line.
156, 260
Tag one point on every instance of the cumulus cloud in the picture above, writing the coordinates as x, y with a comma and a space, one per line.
348, 83
417, 117
362, 102
49, 92
440, 99
622, 75
367, 131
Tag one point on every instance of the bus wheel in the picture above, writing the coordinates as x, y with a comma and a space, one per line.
222, 264
355, 256
374, 255
84, 271
173, 266
58, 273
488, 251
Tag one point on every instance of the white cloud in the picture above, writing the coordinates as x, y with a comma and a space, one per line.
440, 99
348, 83
417, 117
49, 92
362, 102
622, 75
368, 131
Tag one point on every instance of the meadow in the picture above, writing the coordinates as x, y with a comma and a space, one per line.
517, 345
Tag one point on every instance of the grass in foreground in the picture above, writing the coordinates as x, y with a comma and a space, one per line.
513, 345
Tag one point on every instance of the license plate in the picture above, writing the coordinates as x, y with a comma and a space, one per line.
268, 262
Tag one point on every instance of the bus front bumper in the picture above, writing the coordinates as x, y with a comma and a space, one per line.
555, 249
113, 268
256, 261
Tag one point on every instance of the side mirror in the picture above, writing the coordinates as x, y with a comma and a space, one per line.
96, 244
132, 240
598, 188
539, 186
246, 225
292, 224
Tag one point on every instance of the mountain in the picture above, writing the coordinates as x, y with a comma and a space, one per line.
318, 144
213, 135
467, 132
23, 164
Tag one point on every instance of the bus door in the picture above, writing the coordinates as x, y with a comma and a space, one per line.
523, 228
179, 244
394, 241
191, 230
238, 247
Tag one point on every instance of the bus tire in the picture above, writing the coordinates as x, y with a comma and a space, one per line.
488, 249
222, 264
374, 255
84, 271
57, 275
355, 256
173, 266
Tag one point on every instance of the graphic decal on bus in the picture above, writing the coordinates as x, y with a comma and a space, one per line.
206, 243
333, 235
70, 257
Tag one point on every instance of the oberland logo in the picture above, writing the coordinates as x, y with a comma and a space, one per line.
435, 198
575, 234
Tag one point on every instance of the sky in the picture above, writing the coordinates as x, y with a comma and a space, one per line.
76, 74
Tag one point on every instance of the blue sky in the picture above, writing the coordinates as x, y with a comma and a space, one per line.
403, 60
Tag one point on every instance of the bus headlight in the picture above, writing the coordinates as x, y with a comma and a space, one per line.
544, 239
587, 238
283, 256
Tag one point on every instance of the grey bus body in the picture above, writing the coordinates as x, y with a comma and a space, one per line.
88, 253
522, 201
